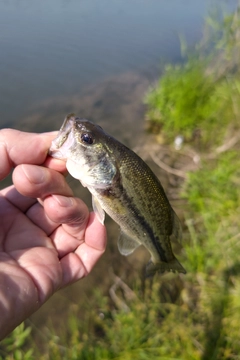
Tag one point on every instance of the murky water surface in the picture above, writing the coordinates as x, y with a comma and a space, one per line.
51, 49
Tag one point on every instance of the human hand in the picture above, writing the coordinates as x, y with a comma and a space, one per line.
48, 239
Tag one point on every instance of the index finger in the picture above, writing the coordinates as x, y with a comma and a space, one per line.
18, 147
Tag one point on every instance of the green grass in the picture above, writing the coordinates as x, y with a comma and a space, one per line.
200, 98
190, 103
183, 99
11, 348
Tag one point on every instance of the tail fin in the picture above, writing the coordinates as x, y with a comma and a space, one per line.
173, 265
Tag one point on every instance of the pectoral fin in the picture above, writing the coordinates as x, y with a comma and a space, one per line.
127, 245
98, 210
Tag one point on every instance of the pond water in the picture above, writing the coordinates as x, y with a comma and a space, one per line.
95, 58
54, 49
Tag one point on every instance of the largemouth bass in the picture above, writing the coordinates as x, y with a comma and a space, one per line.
123, 186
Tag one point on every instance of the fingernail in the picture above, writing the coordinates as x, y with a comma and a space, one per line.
35, 174
63, 200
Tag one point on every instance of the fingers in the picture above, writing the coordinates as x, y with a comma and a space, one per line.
18, 200
17, 147
39, 182
38, 216
71, 213
55, 164
80, 241
78, 264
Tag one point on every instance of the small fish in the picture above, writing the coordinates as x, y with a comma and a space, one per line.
123, 186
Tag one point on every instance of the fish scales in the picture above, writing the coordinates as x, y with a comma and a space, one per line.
151, 201
123, 186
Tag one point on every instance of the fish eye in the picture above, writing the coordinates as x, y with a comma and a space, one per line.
87, 138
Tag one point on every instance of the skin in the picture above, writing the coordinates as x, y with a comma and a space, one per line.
48, 238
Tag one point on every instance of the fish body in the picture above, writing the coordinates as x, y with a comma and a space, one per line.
123, 186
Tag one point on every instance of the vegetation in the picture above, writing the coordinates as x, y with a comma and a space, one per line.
200, 98
174, 317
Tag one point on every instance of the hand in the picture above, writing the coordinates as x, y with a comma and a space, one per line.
48, 239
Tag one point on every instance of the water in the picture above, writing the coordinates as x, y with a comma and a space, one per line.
52, 49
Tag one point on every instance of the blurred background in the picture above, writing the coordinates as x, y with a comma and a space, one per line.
99, 59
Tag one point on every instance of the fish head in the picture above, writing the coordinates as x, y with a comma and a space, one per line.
83, 145
76, 136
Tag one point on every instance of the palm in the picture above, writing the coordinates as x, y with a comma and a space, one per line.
27, 253
45, 244
38, 247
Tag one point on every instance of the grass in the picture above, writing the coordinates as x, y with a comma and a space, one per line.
11, 348
175, 317
199, 99
190, 103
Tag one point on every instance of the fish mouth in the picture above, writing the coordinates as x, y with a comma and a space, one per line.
56, 153
54, 150
62, 144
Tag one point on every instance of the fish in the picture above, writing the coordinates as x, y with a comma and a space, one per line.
123, 186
